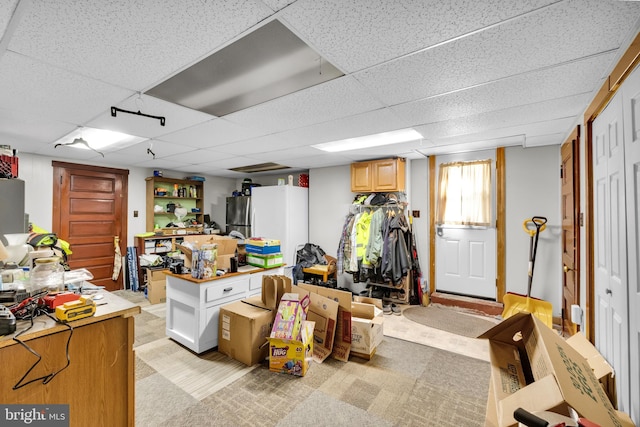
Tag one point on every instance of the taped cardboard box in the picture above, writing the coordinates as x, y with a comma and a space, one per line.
324, 313
292, 356
366, 329
157, 291
242, 331
555, 375
601, 368
273, 287
342, 341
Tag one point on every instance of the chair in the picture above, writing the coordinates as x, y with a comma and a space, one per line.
323, 270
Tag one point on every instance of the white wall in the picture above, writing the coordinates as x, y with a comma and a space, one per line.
533, 189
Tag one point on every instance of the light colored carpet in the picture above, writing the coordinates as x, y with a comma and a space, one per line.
448, 319
405, 383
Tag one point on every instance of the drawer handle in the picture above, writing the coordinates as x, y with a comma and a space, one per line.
227, 289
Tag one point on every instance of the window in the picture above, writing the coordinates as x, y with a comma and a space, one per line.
464, 193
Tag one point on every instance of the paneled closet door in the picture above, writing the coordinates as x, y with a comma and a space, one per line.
610, 249
631, 107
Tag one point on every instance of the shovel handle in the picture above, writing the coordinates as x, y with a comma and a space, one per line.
539, 223
527, 418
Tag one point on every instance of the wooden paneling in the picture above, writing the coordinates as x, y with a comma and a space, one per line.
501, 228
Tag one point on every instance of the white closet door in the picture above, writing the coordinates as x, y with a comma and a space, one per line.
611, 311
631, 97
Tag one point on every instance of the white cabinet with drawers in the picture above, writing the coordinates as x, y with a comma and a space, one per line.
193, 305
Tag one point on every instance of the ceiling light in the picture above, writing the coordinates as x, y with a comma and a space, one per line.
267, 63
376, 140
261, 167
99, 139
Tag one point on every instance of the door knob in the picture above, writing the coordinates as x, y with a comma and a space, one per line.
567, 269
608, 291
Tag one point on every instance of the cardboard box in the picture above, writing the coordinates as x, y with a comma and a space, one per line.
265, 261
261, 241
153, 275
366, 329
226, 245
324, 313
262, 250
555, 375
273, 288
292, 311
242, 332
342, 341
601, 368
292, 356
157, 291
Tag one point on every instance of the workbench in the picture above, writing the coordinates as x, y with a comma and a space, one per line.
99, 383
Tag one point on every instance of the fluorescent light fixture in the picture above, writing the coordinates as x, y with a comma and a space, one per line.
100, 139
376, 140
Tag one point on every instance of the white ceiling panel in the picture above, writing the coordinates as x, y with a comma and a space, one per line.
334, 99
539, 112
516, 47
49, 92
212, 133
556, 82
261, 144
359, 34
133, 44
276, 5
16, 125
200, 156
7, 9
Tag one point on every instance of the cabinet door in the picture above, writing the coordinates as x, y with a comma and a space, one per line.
361, 177
388, 175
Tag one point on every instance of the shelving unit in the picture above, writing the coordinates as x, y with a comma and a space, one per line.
378, 175
193, 199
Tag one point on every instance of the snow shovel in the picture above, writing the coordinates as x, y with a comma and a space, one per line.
516, 303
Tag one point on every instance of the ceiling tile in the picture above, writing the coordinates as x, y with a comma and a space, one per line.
133, 44
514, 47
340, 97
556, 82
16, 125
212, 133
358, 34
52, 93
543, 111
7, 9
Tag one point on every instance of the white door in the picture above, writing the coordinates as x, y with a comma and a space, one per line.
631, 107
611, 312
465, 260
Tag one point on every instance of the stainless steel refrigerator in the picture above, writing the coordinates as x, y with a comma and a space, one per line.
12, 215
239, 215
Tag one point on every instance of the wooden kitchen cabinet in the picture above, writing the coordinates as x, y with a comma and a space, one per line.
384, 175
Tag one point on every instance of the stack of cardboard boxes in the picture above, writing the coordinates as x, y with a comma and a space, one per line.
293, 325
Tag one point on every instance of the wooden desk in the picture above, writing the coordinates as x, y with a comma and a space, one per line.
99, 383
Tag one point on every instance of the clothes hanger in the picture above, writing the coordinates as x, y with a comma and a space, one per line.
80, 141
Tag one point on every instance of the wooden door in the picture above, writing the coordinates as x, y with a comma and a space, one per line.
570, 230
89, 211
610, 245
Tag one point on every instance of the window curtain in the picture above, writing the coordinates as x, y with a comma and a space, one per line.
464, 193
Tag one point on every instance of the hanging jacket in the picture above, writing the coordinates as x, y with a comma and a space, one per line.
373, 251
397, 262
362, 235
344, 245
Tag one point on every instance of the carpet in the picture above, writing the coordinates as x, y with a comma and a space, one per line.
448, 319
405, 383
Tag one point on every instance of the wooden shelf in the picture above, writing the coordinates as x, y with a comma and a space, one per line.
160, 218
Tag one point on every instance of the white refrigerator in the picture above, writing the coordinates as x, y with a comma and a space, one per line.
281, 212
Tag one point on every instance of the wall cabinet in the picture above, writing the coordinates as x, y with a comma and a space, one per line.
160, 192
385, 175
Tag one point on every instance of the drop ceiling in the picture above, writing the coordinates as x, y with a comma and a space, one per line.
465, 74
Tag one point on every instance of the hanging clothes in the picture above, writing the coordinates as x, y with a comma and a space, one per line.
373, 251
344, 245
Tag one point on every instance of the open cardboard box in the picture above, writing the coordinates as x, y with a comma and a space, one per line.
533, 368
366, 329
324, 313
342, 341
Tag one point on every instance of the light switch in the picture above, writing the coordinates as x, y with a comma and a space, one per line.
135, 214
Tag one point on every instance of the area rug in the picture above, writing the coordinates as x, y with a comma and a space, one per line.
449, 320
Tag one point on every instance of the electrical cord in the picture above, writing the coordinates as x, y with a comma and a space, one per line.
35, 311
